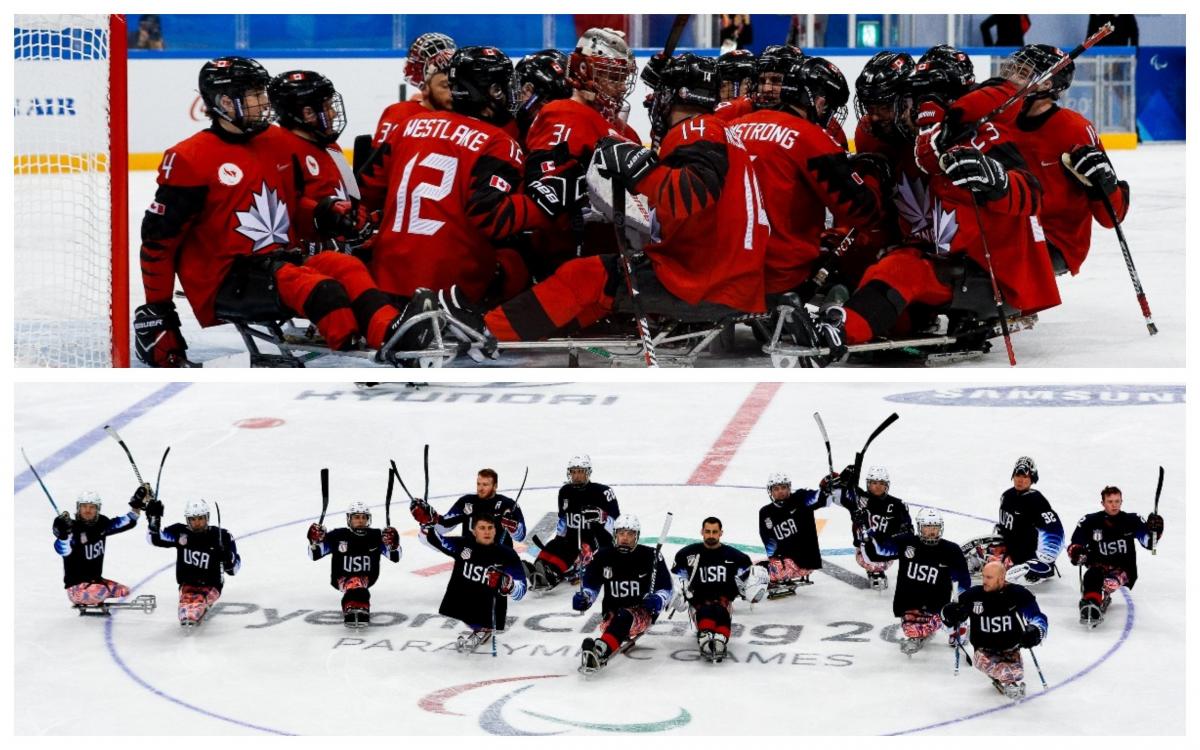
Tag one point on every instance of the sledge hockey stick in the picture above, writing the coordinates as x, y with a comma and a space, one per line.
115, 436
688, 586
858, 457
387, 501
643, 325
1034, 82
324, 495
55, 505
1133, 274
1033, 654
425, 497
658, 548
825, 437
158, 479
400, 479
996, 296
1157, 494
220, 539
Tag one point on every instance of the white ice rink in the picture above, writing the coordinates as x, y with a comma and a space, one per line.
273, 657
1099, 323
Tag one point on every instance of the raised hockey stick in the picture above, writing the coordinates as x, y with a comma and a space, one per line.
643, 325
1133, 274
400, 479
425, 497
387, 501
825, 437
658, 548
158, 479
324, 495
1157, 494
858, 457
521, 489
112, 432
220, 539
51, 497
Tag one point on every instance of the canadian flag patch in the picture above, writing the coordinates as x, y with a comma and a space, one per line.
499, 183
854, 176
157, 208
547, 166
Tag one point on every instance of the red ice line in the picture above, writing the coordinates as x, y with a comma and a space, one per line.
722, 451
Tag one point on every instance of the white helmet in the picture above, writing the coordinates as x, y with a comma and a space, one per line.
580, 461
776, 479
603, 64
88, 497
358, 507
929, 517
195, 509
879, 474
629, 522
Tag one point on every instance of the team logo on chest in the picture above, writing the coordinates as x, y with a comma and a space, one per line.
183, 540
267, 222
1097, 535
607, 572
977, 608
83, 537
693, 559
469, 508
314, 169
229, 174
768, 523
466, 553
909, 552
343, 547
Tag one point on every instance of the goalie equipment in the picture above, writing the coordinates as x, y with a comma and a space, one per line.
929, 518
1032, 60
713, 646
641, 227
603, 65
1025, 466
581, 461
158, 340
306, 100
481, 84
236, 78
424, 47
358, 508
88, 497
754, 586
1030, 573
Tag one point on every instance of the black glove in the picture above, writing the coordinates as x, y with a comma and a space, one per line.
624, 161
1077, 553
954, 613
652, 70
62, 526
339, 217
971, 169
227, 564
138, 501
159, 342
154, 508
1154, 524
1090, 167
553, 194
829, 483
876, 165
1031, 636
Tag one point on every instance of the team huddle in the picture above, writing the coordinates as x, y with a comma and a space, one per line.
596, 551
485, 206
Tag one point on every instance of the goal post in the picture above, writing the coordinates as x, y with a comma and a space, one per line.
71, 174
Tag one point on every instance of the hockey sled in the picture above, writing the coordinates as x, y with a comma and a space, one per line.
467, 643
143, 602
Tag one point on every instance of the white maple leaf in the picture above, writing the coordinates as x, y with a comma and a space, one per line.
267, 222
923, 214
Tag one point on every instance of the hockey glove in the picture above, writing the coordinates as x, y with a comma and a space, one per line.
316, 534
499, 580
62, 526
1031, 636
510, 524
973, 170
652, 70
338, 217
874, 165
581, 601
1154, 524
228, 565
423, 514
652, 603
929, 143
1090, 167
954, 613
159, 342
625, 162
1077, 553
391, 538
138, 501
154, 508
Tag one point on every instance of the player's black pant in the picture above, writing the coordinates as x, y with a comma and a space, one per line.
713, 617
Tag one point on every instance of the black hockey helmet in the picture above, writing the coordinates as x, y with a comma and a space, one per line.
881, 79
424, 47
546, 72
1031, 61
951, 65
775, 59
817, 87
234, 77
294, 92
736, 66
481, 78
686, 79
1025, 466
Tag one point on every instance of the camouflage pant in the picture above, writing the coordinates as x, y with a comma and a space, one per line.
785, 569
917, 623
1003, 666
194, 601
867, 565
96, 592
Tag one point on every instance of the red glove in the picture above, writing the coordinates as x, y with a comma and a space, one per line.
499, 580
316, 533
423, 514
509, 523
928, 150
340, 218
391, 538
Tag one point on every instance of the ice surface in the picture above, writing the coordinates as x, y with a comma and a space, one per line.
1099, 323
802, 665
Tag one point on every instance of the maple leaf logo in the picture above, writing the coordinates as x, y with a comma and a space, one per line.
267, 222
923, 214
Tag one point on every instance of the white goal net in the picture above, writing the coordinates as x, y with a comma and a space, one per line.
70, 174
